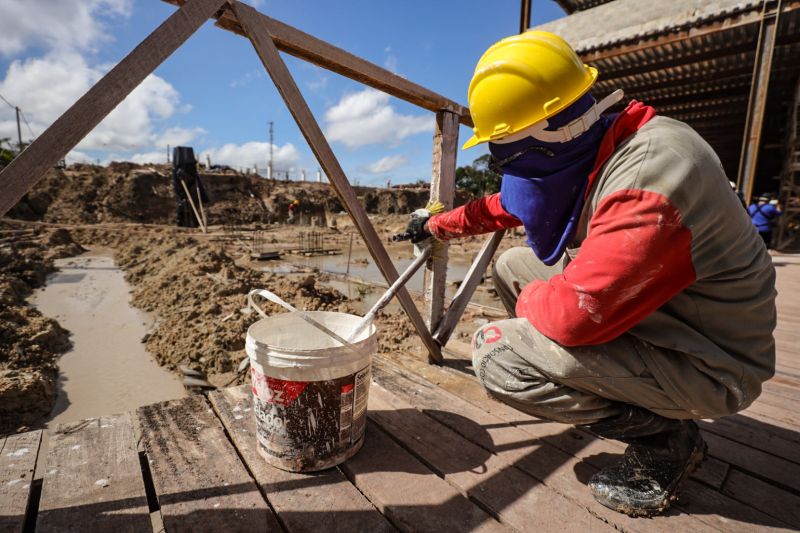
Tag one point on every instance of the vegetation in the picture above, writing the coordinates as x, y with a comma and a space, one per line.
478, 179
7, 152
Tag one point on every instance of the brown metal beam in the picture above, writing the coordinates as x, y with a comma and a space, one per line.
253, 25
524, 15
758, 100
318, 52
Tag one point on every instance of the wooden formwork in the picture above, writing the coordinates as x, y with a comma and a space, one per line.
268, 36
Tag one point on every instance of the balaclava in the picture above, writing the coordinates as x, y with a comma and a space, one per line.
545, 187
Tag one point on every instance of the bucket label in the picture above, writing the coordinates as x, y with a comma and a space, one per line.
303, 423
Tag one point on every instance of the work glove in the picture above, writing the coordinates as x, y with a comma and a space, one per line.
415, 230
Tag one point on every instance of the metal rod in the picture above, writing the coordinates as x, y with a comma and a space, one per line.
349, 254
389, 294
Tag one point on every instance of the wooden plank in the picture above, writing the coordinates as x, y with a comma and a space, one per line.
471, 281
52, 145
596, 453
199, 480
323, 501
770, 499
276, 68
524, 447
18, 455
411, 496
758, 463
92, 478
443, 190
318, 52
758, 435
509, 494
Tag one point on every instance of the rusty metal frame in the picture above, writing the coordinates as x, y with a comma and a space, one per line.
268, 36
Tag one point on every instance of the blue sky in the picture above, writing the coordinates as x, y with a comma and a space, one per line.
213, 93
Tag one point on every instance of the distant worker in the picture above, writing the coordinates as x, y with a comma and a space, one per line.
739, 195
293, 211
764, 214
644, 300
185, 178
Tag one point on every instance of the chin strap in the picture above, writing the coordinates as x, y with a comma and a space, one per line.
571, 131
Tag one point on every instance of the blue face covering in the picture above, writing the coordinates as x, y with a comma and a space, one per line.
544, 187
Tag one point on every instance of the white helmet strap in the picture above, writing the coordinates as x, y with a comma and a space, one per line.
570, 131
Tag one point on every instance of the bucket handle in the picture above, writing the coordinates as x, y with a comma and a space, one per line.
274, 298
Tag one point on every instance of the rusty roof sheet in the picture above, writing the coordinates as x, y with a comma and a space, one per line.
624, 20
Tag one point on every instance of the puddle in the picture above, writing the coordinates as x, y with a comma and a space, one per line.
363, 268
108, 370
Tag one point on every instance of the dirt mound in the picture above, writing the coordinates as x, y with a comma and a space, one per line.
127, 192
199, 295
29, 342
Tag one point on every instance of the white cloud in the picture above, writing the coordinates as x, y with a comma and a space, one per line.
246, 78
318, 84
253, 153
366, 117
391, 64
387, 164
177, 136
56, 24
149, 157
76, 156
46, 87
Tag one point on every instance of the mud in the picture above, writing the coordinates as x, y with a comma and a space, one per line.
198, 292
30, 343
108, 370
194, 284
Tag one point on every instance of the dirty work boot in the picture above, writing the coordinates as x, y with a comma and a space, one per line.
660, 455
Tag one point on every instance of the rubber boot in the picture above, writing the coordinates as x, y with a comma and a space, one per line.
661, 453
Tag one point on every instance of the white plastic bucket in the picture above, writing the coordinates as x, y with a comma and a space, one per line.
309, 391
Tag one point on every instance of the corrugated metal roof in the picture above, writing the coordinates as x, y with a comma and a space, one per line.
693, 61
624, 20
579, 5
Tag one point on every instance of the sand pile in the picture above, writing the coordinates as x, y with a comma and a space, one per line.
29, 342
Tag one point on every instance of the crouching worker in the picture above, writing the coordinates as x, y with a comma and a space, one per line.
645, 299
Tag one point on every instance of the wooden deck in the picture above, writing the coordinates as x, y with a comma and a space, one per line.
439, 456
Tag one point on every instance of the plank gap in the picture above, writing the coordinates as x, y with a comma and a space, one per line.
149, 487
29, 525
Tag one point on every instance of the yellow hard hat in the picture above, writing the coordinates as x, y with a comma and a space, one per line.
522, 80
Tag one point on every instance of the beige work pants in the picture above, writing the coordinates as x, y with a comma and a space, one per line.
577, 385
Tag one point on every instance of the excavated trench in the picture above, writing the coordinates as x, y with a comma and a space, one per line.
108, 369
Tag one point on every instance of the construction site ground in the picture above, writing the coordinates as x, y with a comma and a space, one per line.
439, 455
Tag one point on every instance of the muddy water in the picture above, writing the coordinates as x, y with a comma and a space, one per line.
362, 267
108, 370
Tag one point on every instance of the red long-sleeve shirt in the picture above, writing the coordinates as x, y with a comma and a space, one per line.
635, 257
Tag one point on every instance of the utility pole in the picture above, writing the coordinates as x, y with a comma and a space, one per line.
19, 130
167, 153
270, 168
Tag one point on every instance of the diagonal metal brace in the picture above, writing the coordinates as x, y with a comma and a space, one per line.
259, 35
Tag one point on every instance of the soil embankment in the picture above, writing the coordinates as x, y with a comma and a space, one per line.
194, 284
126, 192
30, 343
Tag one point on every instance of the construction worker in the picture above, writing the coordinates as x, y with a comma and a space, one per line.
764, 213
644, 299
185, 178
292, 211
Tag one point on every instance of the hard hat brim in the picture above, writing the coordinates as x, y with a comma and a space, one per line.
473, 141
